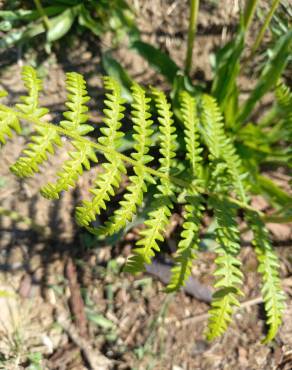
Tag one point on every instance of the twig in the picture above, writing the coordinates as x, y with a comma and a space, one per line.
95, 359
76, 301
204, 316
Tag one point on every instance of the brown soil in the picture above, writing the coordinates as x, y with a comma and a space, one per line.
130, 321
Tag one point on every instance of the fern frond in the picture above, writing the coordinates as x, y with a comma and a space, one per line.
220, 145
76, 119
221, 177
194, 208
113, 169
229, 276
8, 122
43, 142
138, 186
272, 292
159, 217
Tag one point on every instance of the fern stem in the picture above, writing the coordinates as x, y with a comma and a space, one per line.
194, 9
104, 149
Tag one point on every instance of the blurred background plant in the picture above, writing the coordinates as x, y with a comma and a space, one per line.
24, 22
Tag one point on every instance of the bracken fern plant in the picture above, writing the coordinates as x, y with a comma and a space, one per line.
204, 172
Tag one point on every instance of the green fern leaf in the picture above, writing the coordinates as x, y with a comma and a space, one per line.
269, 269
75, 122
71, 170
114, 168
225, 174
187, 245
30, 103
220, 145
158, 218
36, 152
134, 196
194, 208
229, 276
43, 142
155, 226
191, 124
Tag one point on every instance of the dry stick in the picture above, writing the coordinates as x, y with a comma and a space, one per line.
95, 359
205, 315
76, 300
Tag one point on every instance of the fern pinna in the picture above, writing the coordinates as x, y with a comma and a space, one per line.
205, 181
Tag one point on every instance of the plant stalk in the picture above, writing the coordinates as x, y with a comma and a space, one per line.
248, 12
264, 27
194, 9
43, 14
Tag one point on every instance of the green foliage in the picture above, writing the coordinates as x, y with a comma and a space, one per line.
137, 187
201, 168
22, 25
194, 207
268, 268
269, 76
43, 142
158, 217
114, 168
228, 273
75, 121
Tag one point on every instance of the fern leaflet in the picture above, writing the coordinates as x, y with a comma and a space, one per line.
75, 121
228, 273
220, 145
142, 136
194, 208
158, 218
43, 142
268, 268
114, 168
